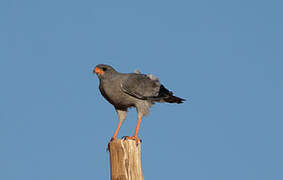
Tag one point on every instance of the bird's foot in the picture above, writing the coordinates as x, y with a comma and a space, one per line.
113, 138
138, 140
108, 146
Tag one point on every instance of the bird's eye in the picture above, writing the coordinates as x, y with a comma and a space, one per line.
104, 69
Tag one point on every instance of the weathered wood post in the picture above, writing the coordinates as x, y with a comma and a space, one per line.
125, 160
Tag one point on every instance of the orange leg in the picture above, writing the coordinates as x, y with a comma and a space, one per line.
135, 137
117, 130
137, 127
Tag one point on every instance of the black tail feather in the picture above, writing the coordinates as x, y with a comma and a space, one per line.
168, 96
173, 99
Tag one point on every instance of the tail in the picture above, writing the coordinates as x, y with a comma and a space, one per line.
173, 99
168, 96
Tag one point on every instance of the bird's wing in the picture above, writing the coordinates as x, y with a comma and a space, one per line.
141, 86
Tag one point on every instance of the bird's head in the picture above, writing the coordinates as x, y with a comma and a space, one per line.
103, 70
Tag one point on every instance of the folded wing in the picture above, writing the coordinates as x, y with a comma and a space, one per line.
141, 86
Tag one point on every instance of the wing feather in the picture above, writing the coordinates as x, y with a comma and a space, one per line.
141, 86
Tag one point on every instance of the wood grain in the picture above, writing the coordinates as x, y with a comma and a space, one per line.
125, 160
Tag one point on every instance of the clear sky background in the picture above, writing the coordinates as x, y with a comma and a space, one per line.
224, 57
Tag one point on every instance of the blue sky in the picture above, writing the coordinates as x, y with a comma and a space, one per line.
224, 57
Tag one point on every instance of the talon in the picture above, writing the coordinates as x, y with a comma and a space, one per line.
108, 145
113, 138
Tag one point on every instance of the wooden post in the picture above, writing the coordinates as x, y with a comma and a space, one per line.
125, 160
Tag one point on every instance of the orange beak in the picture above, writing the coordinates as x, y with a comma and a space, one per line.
98, 71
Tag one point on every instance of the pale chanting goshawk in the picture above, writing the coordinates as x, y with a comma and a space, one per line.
125, 90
